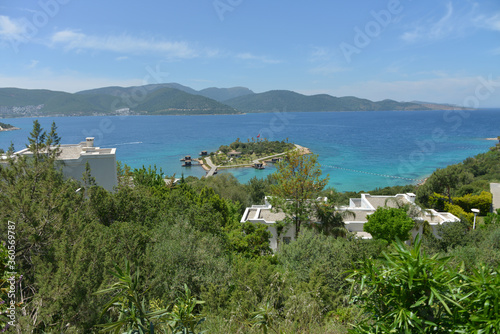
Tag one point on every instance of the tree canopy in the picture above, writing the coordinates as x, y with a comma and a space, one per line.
389, 224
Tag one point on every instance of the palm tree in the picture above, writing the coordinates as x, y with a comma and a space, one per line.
416, 213
332, 218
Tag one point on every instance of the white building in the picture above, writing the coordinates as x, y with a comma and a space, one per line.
360, 207
102, 162
264, 214
367, 204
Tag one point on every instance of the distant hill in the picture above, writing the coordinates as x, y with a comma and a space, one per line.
291, 101
144, 100
223, 94
174, 98
169, 101
16, 97
218, 94
136, 90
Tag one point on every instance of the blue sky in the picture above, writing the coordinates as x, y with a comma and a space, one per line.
427, 50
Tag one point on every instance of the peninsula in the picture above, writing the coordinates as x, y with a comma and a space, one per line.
7, 127
256, 153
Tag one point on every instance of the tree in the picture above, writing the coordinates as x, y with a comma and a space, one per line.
407, 292
444, 181
389, 224
298, 183
331, 218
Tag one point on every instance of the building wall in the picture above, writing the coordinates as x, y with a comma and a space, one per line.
102, 166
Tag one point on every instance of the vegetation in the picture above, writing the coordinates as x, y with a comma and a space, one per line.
191, 266
389, 224
298, 183
161, 101
290, 101
250, 151
5, 126
410, 292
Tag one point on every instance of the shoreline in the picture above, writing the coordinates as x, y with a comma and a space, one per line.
9, 129
302, 150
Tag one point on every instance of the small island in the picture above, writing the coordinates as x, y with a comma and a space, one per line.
256, 153
7, 127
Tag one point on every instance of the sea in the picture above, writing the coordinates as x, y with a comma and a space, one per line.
358, 151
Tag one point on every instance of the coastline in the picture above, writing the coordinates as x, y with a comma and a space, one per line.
302, 150
9, 129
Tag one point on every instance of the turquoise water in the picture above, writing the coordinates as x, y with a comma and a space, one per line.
359, 150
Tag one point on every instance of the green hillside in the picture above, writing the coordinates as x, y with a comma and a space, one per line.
72, 104
159, 100
223, 94
291, 101
173, 101
22, 97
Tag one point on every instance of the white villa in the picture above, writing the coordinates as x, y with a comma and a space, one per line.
360, 207
367, 204
102, 162
264, 214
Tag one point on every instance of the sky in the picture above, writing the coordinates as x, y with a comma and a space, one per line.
420, 50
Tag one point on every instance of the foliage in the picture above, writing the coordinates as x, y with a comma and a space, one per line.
472, 176
5, 125
298, 183
70, 232
150, 177
389, 224
331, 220
469, 201
132, 313
408, 291
134, 316
466, 202
492, 218
452, 234
459, 212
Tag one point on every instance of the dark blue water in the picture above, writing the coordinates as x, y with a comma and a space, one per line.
359, 150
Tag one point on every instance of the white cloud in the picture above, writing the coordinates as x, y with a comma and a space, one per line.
73, 40
32, 64
488, 22
263, 59
327, 69
433, 29
11, 28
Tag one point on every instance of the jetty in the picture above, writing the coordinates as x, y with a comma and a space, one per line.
213, 168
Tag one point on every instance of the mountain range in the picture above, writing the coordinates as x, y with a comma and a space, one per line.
176, 99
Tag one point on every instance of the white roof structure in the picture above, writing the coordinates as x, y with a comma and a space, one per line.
102, 162
368, 204
264, 214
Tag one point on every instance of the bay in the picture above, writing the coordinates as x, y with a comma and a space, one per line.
358, 150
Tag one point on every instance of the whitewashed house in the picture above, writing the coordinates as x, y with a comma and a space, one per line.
367, 204
265, 214
102, 162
